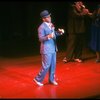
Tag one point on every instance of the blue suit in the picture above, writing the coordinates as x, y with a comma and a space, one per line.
48, 50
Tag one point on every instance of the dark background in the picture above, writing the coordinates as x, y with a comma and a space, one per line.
19, 21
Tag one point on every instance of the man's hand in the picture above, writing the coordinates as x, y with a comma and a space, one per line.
61, 31
85, 11
50, 35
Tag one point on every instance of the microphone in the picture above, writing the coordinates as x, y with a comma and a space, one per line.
52, 26
83, 6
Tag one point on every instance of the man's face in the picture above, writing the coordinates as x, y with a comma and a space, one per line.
81, 3
78, 5
47, 19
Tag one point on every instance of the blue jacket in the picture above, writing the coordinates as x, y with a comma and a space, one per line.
47, 45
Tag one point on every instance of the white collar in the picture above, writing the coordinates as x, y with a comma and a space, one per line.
47, 23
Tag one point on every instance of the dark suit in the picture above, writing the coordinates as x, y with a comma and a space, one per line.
76, 30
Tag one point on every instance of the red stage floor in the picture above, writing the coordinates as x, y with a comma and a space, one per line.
76, 80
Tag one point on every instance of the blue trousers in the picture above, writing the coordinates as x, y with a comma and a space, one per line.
48, 64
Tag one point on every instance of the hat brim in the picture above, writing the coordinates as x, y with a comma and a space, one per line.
46, 15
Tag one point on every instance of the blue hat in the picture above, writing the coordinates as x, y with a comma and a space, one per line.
44, 14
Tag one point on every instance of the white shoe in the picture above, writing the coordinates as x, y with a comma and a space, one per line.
78, 60
38, 83
54, 83
65, 60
